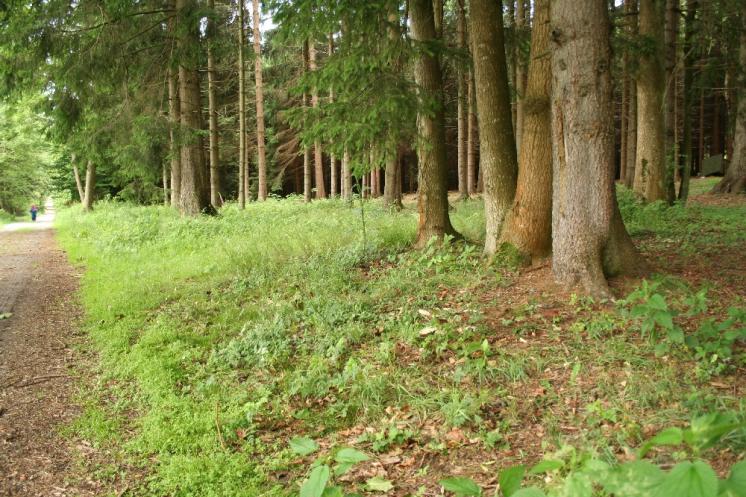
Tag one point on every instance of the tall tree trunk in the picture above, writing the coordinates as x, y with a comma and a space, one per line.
174, 125
78, 183
497, 149
164, 181
346, 176
242, 165
672, 148
333, 176
212, 104
432, 198
513, 63
520, 72
307, 167
624, 119
630, 7
318, 157
471, 139
701, 140
438, 18
650, 168
529, 224
462, 104
588, 237
391, 185
734, 180
90, 186
193, 198
260, 134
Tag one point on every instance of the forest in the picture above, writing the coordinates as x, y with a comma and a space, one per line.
337, 248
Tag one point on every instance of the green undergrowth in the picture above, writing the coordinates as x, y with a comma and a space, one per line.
221, 339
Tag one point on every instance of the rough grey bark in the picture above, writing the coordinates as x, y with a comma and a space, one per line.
588, 236
259, 85
242, 164
497, 151
650, 167
529, 224
90, 186
193, 198
734, 180
432, 199
213, 111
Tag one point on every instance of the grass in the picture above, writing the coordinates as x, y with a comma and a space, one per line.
220, 339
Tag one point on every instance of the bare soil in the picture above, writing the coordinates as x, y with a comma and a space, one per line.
38, 315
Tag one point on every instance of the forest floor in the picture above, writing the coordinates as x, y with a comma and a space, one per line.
38, 360
236, 353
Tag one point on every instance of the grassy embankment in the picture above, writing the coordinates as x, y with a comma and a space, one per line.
220, 339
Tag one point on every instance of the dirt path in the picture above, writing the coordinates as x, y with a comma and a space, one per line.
37, 328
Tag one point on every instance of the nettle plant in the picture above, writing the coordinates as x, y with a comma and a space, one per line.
714, 341
571, 473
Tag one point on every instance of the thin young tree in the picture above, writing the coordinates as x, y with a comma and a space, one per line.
259, 91
307, 167
529, 224
672, 146
318, 157
242, 164
589, 240
689, 61
463, 105
212, 109
432, 199
497, 149
90, 186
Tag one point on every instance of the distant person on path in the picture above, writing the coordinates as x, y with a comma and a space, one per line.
34, 210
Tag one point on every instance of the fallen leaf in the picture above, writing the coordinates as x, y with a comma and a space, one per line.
427, 330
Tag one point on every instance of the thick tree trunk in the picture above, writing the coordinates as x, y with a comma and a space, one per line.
650, 168
672, 148
260, 134
529, 224
471, 140
212, 105
242, 165
497, 149
462, 104
318, 157
734, 180
432, 199
588, 236
391, 188
193, 194
90, 186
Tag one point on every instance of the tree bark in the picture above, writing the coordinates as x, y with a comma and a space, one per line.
307, 168
333, 176
734, 180
462, 104
212, 105
90, 186
391, 189
318, 158
432, 199
588, 237
164, 181
346, 176
242, 169
520, 72
259, 84
193, 194
78, 183
174, 114
671, 144
471, 139
529, 224
630, 139
497, 149
650, 167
